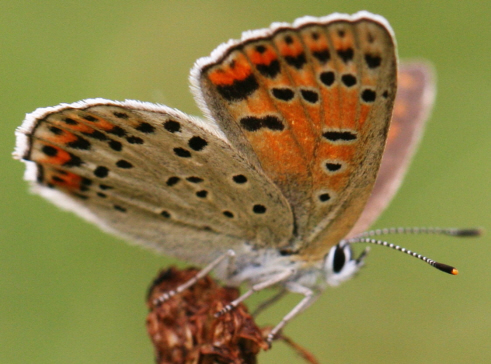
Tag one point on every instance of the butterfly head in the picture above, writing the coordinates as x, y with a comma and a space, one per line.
340, 265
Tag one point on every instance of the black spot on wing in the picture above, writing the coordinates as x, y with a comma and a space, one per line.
259, 209
271, 122
288, 39
269, 70
202, 194
79, 143
239, 89
117, 130
310, 96
327, 78
49, 150
124, 164
346, 54
322, 56
251, 123
172, 126
134, 140
74, 161
120, 115
115, 145
324, 197
96, 134
101, 172
239, 179
260, 49
372, 60
333, 167
181, 152
70, 121
297, 61
348, 80
335, 136
145, 128
194, 179
368, 95
197, 143
283, 94
165, 214
119, 208
228, 214
171, 181
90, 118
55, 130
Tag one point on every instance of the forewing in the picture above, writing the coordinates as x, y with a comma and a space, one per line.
310, 104
414, 100
152, 174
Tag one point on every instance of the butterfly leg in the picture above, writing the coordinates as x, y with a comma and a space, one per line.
265, 304
280, 277
230, 254
308, 299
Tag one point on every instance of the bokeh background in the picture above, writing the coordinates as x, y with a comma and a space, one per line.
72, 294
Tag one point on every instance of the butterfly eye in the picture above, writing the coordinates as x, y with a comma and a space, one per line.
339, 264
338, 260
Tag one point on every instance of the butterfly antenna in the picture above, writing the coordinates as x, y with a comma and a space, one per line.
440, 266
471, 232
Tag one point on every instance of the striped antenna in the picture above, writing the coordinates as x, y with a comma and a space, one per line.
366, 238
440, 266
471, 232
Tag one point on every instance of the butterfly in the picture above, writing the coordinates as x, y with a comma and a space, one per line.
274, 184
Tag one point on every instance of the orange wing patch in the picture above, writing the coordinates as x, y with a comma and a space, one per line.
69, 138
303, 100
46, 153
66, 180
234, 79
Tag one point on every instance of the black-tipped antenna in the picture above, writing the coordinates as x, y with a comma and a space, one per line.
440, 266
471, 232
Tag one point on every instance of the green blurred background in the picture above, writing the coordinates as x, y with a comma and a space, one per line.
72, 294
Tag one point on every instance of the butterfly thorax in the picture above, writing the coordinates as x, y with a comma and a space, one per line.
258, 266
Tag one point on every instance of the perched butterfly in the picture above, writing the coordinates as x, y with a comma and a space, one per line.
277, 181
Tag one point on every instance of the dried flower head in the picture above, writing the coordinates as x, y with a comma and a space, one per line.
184, 329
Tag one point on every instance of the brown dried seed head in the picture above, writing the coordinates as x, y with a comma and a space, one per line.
184, 329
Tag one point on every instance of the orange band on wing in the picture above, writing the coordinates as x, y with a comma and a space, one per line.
238, 70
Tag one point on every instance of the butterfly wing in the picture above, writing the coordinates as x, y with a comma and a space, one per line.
309, 104
152, 174
415, 96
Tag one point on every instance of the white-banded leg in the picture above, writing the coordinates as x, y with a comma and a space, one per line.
230, 254
265, 304
308, 299
280, 277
